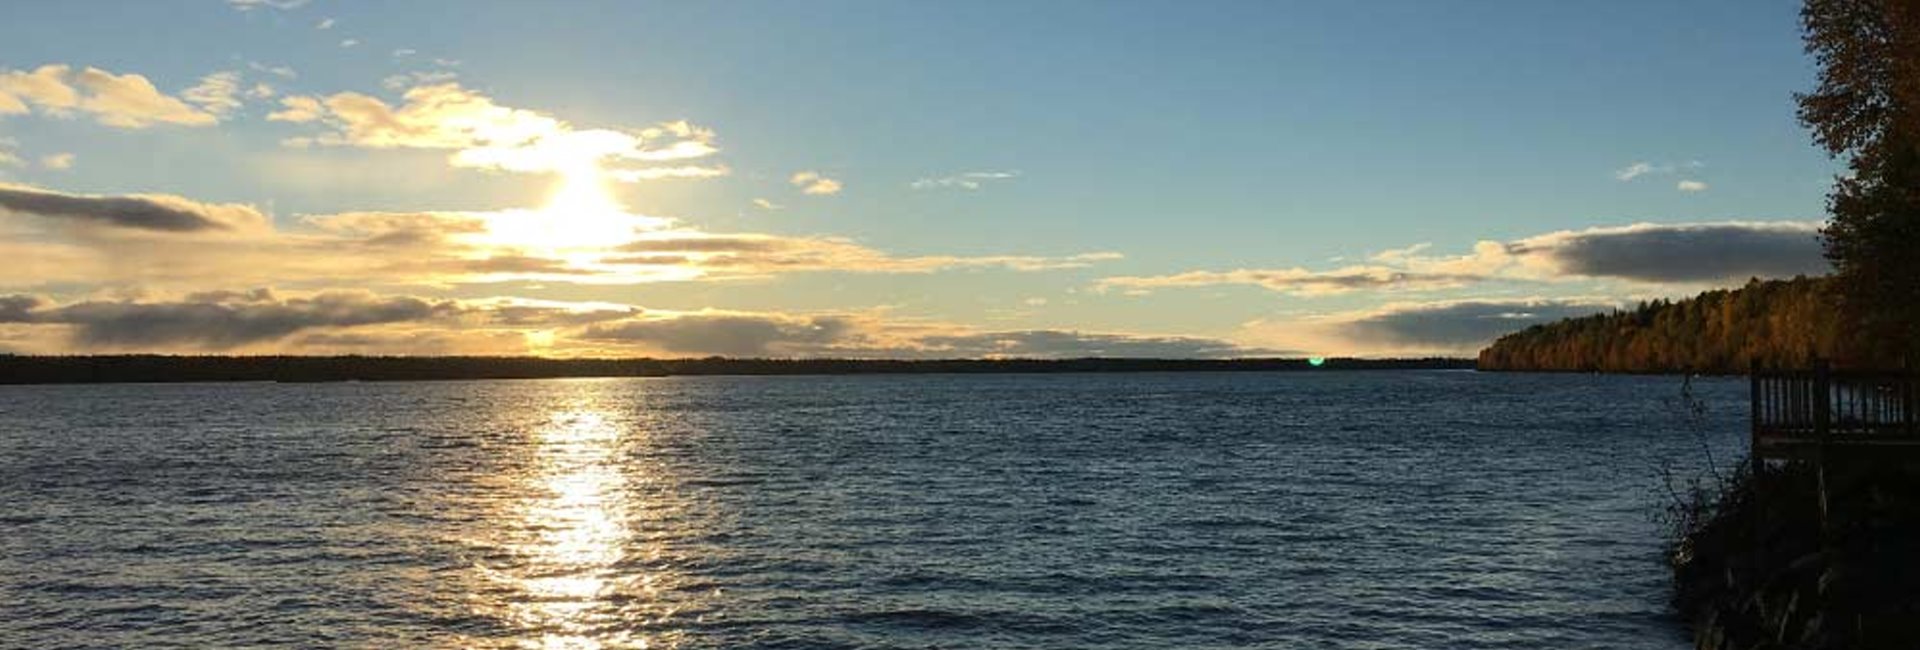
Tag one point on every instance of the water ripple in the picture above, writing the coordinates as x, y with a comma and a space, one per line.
1325, 510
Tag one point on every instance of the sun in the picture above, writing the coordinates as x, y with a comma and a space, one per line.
581, 214
582, 193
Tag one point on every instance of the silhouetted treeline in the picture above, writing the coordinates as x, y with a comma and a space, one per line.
159, 368
1779, 323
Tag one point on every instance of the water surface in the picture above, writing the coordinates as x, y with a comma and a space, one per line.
1314, 510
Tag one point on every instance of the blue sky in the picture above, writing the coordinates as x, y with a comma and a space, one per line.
1012, 178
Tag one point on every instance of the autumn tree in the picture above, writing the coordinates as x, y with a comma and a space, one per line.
1867, 109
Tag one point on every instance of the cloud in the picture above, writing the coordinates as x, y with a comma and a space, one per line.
1643, 168
703, 243
1459, 325
268, 321
418, 77
401, 53
130, 101
217, 93
1300, 281
485, 135
217, 320
1689, 253
281, 71
349, 42
57, 161
8, 158
1639, 169
151, 212
325, 24
754, 255
1725, 252
1454, 328
746, 334
250, 5
19, 308
737, 335
1686, 185
298, 109
1071, 344
766, 205
82, 240
812, 183
657, 173
127, 101
261, 90
964, 181
46, 86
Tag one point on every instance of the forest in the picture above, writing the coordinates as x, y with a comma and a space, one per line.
16, 369
1774, 323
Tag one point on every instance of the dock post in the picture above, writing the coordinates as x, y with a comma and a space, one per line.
1906, 397
1822, 428
1754, 404
1757, 399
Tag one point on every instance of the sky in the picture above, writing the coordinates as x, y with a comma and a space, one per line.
886, 179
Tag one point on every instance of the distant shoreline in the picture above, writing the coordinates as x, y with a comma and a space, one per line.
107, 369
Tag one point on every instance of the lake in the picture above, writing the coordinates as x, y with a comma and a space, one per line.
1381, 509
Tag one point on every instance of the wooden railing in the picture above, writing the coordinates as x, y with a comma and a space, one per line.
1799, 411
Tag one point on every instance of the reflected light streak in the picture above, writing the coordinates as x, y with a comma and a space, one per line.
576, 554
581, 521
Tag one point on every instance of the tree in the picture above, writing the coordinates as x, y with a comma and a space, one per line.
1867, 108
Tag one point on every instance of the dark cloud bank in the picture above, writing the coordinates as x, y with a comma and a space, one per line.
1462, 325
1725, 252
221, 320
155, 213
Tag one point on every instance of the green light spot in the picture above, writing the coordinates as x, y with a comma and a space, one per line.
1317, 361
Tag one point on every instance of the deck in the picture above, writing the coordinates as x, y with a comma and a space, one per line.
1822, 414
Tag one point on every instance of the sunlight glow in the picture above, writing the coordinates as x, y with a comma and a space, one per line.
580, 215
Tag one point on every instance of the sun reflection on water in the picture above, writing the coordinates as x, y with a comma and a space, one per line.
580, 515
575, 573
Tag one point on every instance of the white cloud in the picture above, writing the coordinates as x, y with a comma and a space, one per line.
281, 71
1644, 168
766, 205
217, 93
130, 101
485, 135
47, 87
1299, 281
57, 161
1691, 186
127, 101
964, 181
418, 78
1639, 169
812, 183
404, 52
250, 5
298, 109
324, 24
657, 173
350, 42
